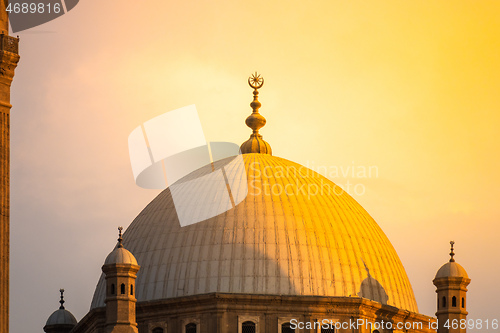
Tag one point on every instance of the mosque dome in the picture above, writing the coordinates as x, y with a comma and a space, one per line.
259, 224
294, 233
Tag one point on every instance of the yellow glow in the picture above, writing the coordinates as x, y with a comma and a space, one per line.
410, 87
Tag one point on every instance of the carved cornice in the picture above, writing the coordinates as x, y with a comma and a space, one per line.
9, 57
9, 44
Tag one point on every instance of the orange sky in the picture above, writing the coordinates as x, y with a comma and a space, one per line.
408, 87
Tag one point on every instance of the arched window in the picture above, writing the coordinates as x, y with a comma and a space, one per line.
463, 302
444, 301
157, 330
248, 327
328, 330
122, 288
286, 328
191, 328
131, 289
454, 302
112, 289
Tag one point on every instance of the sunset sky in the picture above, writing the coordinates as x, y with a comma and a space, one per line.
409, 87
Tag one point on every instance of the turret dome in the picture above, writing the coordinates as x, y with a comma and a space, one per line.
61, 317
120, 255
451, 269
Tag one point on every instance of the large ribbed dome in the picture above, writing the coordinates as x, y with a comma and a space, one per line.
302, 242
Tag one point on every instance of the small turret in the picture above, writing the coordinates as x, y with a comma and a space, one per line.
120, 269
451, 283
61, 320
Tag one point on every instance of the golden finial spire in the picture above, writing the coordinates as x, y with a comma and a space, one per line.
452, 254
120, 239
255, 121
256, 81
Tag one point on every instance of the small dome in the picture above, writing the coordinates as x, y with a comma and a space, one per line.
120, 256
451, 269
61, 317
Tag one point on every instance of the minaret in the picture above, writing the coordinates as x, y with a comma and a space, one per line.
451, 283
8, 61
120, 269
255, 121
60, 321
